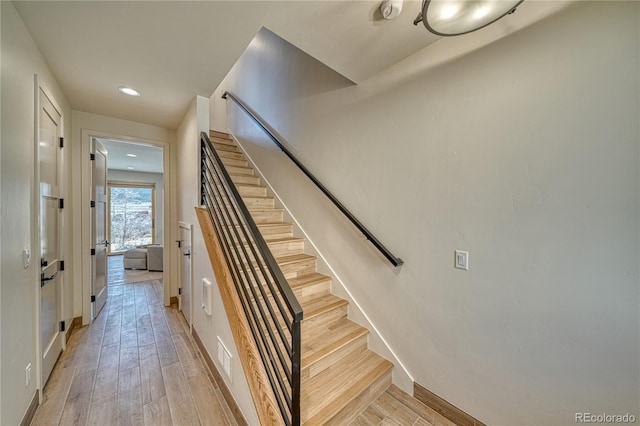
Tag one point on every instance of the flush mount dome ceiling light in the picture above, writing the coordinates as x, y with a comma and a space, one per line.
128, 91
456, 17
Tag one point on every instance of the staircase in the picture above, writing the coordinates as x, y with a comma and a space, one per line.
340, 376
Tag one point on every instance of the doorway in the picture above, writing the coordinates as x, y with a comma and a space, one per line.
135, 209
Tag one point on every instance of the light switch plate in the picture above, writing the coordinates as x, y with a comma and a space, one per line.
26, 258
462, 260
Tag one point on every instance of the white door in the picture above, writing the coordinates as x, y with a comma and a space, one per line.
99, 289
49, 158
184, 246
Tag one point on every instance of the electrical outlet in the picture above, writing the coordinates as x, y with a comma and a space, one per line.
224, 358
28, 374
462, 260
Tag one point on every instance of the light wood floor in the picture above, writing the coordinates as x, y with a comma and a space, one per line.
396, 408
136, 364
118, 275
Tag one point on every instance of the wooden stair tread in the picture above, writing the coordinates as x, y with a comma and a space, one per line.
240, 171
285, 260
218, 134
316, 345
308, 279
259, 197
278, 240
228, 148
324, 395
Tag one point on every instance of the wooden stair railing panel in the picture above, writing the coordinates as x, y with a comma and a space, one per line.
259, 386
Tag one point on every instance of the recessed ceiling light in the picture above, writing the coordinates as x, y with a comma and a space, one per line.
128, 91
130, 168
131, 155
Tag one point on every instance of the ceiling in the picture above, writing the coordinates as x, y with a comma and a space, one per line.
172, 51
147, 158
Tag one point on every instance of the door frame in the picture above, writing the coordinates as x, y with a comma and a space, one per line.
36, 246
87, 134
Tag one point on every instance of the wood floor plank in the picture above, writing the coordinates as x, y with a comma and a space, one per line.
209, 409
103, 412
76, 408
187, 355
151, 380
129, 357
112, 329
183, 411
396, 410
130, 407
106, 377
158, 413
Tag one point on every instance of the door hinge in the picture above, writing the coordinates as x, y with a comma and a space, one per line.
61, 203
93, 252
43, 262
61, 265
180, 290
92, 157
61, 142
93, 299
92, 204
63, 326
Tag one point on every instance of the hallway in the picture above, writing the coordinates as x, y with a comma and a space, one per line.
136, 364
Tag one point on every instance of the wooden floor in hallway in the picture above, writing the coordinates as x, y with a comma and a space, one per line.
135, 365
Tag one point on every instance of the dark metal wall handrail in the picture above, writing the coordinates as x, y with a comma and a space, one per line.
395, 261
271, 308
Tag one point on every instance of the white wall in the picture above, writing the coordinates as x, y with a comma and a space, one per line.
21, 60
85, 124
143, 177
196, 120
522, 149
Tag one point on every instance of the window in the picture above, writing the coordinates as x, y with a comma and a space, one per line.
131, 215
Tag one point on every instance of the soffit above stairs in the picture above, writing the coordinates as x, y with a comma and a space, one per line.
172, 51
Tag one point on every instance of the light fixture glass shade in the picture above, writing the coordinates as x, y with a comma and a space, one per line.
455, 17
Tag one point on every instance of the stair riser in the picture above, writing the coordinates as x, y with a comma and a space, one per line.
302, 267
269, 232
289, 270
241, 171
252, 191
233, 162
225, 147
280, 249
321, 321
267, 216
251, 180
259, 203
357, 345
230, 155
315, 289
223, 141
216, 134
285, 230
